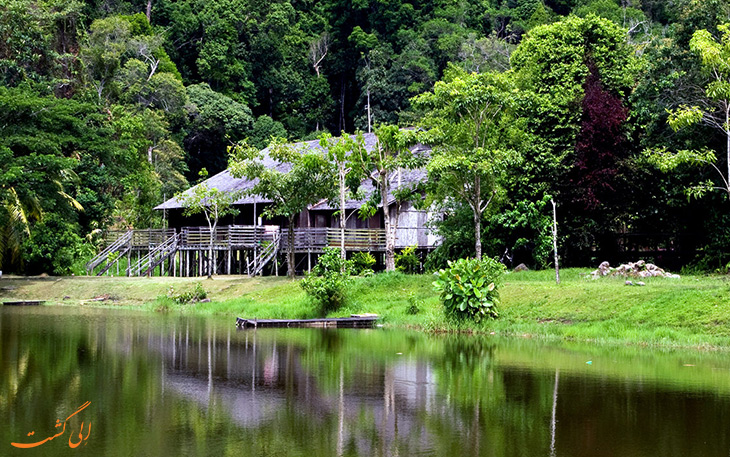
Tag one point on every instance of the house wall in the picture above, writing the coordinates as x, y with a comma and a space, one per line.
412, 227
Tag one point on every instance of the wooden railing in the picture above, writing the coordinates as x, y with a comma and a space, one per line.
155, 257
316, 239
146, 238
227, 237
250, 237
119, 244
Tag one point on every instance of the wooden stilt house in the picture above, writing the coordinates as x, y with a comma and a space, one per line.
249, 243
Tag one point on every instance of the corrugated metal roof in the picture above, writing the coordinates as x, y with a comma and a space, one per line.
225, 182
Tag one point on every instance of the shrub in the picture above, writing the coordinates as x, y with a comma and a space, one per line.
469, 288
407, 260
414, 304
192, 296
326, 283
362, 263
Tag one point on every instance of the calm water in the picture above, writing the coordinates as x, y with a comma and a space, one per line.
163, 385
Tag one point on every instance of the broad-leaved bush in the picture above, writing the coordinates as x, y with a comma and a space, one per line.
327, 281
469, 288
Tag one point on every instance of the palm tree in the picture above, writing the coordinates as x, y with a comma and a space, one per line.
19, 210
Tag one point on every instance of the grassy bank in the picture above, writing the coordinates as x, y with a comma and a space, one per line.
693, 311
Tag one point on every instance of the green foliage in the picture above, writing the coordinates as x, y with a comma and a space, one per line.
476, 136
54, 247
362, 263
216, 121
525, 226
407, 261
715, 62
327, 281
307, 181
414, 304
191, 296
552, 64
469, 288
264, 129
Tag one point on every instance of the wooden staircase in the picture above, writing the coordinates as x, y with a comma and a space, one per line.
255, 266
121, 245
155, 257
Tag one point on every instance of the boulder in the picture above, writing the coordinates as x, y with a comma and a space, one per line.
639, 269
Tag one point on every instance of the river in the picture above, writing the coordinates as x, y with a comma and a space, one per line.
122, 383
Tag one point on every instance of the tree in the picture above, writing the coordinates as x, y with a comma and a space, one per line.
297, 178
391, 153
214, 204
552, 64
216, 121
713, 110
348, 156
558, 66
472, 128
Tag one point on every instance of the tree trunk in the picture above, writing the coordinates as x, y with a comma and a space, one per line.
149, 11
477, 208
210, 252
727, 140
555, 242
369, 119
343, 219
478, 234
342, 105
290, 249
389, 232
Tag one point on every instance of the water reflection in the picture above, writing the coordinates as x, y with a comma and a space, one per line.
164, 384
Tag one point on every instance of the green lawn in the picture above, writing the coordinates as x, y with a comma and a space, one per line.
693, 311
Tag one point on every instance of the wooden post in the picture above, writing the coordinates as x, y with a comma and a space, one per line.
555, 242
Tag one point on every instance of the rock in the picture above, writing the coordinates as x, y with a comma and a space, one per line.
639, 269
628, 283
640, 283
603, 270
205, 300
521, 267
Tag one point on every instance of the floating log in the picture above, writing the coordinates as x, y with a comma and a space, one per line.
24, 303
356, 321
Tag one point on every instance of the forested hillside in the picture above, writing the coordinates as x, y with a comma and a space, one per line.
109, 106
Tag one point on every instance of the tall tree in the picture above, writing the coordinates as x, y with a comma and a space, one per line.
348, 155
712, 110
298, 178
391, 153
214, 204
473, 129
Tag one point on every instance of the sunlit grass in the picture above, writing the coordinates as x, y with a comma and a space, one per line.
691, 311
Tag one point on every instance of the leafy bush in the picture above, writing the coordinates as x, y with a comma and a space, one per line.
192, 296
469, 288
362, 263
414, 304
54, 246
407, 260
326, 283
